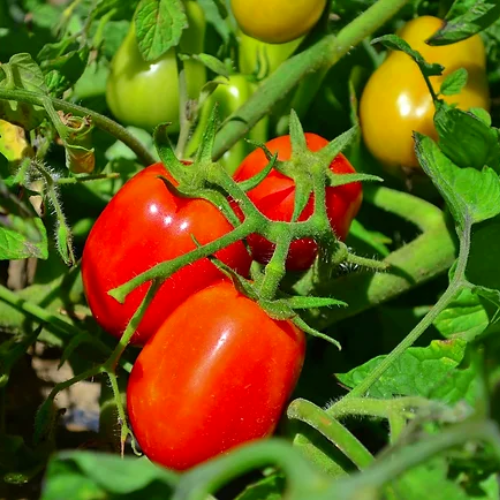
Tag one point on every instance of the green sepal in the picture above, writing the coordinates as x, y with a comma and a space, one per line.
336, 180
166, 152
254, 181
332, 149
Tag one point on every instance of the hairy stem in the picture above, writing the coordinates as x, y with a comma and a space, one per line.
418, 453
103, 122
331, 429
426, 257
164, 270
428, 319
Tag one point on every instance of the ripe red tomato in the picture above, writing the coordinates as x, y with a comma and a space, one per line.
275, 198
143, 225
205, 385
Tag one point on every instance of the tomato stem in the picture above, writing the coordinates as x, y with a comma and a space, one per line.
304, 481
185, 122
414, 454
165, 269
373, 264
103, 122
122, 416
331, 429
275, 270
458, 282
429, 255
132, 326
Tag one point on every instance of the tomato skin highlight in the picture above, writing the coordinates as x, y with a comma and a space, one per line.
205, 385
143, 225
275, 197
277, 21
396, 100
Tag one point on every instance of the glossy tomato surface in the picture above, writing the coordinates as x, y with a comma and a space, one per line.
217, 374
277, 21
145, 224
396, 100
275, 198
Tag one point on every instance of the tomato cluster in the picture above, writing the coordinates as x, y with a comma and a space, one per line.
216, 370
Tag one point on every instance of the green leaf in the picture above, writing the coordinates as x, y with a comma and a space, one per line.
211, 62
26, 73
482, 115
464, 318
214, 17
465, 19
372, 239
122, 10
64, 63
482, 266
418, 482
454, 82
486, 489
420, 371
105, 475
22, 238
394, 42
465, 138
270, 488
472, 196
491, 296
159, 25
22, 72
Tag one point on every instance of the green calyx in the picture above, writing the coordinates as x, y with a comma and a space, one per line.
209, 180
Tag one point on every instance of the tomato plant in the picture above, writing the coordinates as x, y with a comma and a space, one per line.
277, 21
191, 375
275, 198
396, 100
146, 93
144, 224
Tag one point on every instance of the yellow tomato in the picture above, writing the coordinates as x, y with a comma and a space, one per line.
396, 100
277, 21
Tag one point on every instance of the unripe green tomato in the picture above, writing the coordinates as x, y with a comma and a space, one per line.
230, 95
146, 93
270, 56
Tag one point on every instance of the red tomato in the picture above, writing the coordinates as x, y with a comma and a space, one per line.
275, 198
204, 385
143, 225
